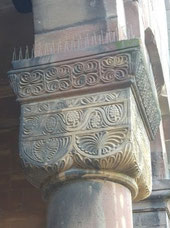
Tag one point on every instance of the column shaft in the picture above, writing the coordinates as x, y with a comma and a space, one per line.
90, 204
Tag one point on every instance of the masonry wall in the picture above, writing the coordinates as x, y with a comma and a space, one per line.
21, 205
158, 219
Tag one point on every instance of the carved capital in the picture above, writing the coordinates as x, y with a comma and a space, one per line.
104, 135
95, 132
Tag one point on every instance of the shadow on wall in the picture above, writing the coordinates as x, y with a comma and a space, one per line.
23, 6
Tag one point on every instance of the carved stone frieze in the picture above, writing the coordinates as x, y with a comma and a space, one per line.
65, 122
90, 74
147, 97
75, 120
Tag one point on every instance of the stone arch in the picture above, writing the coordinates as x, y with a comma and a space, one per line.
154, 57
159, 149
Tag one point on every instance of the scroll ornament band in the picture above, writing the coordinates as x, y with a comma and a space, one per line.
77, 75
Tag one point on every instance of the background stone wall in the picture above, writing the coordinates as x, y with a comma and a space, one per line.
21, 205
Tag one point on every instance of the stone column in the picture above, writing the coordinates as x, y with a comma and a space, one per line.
85, 127
88, 112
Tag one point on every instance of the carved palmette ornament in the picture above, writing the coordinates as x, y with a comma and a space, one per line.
89, 117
